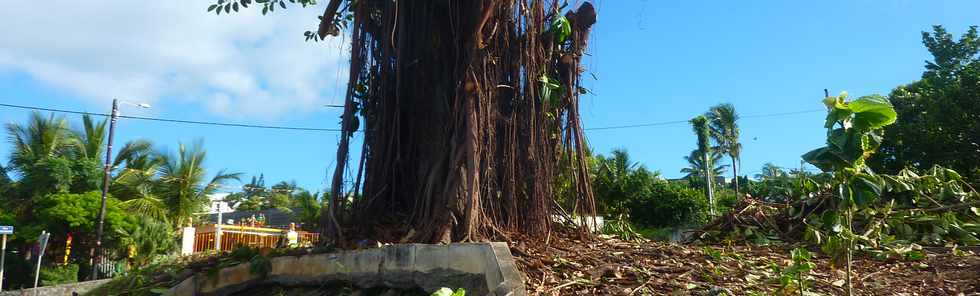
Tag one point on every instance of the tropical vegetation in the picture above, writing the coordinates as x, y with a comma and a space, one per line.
53, 183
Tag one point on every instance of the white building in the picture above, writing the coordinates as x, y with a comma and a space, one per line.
217, 204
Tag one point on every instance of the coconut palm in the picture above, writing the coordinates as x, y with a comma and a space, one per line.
703, 130
182, 185
612, 180
770, 171
308, 205
695, 169
41, 137
90, 140
38, 155
725, 131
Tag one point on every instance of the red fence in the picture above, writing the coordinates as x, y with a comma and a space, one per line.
233, 236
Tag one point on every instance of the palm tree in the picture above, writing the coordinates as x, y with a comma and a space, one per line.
309, 205
41, 137
136, 166
612, 180
182, 185
38, 153
725, 131
91, 139
695, 169
770, 171
618, 165
703, 131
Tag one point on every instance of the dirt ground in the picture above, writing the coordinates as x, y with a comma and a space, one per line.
608, 266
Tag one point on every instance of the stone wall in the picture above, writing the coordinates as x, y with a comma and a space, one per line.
480, 268
59, 290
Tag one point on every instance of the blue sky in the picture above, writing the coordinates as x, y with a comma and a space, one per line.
655, 61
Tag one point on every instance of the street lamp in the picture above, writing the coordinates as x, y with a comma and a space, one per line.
113, 117
217, 227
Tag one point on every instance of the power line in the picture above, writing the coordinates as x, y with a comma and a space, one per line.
686, 121
244, 125
636, 125
175, 120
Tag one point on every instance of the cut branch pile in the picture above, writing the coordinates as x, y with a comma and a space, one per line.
608, 266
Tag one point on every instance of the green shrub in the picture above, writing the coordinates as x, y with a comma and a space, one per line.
243, 253
57, 275
669, 205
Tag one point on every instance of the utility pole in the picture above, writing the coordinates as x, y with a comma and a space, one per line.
95, 256
3, 258
4, 230
217, 228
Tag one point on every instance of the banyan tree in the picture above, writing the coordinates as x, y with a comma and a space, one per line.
469, 111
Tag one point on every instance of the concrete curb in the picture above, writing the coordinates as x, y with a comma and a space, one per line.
480, 268
59, 290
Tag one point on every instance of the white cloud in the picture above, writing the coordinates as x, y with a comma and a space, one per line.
238, 65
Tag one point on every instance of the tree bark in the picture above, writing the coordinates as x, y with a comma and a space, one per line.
707, 178
735, 175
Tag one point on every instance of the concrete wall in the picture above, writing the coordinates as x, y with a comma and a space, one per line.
59, 290
480, 268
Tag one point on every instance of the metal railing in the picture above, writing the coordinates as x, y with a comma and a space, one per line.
233, 236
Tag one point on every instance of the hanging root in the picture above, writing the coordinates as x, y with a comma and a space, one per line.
470, 118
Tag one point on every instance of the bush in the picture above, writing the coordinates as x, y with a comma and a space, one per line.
57, 275
669, 205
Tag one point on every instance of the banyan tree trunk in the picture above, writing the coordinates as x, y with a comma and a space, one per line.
469, 110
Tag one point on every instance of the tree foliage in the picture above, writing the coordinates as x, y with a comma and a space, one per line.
627, 190
146, 240
696, 167
725, 132
56, 178
940, 114
183, 184
77, 213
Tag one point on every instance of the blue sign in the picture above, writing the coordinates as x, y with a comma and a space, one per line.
6, 230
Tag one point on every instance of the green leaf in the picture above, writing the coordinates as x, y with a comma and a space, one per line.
866, 189
846, 144
831, 220
839, 111
282, 4
824, 159
227, 8
872, 112
896, 184
812, 235
561, 28
914, 255
235, 7
159, 291
212, 7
